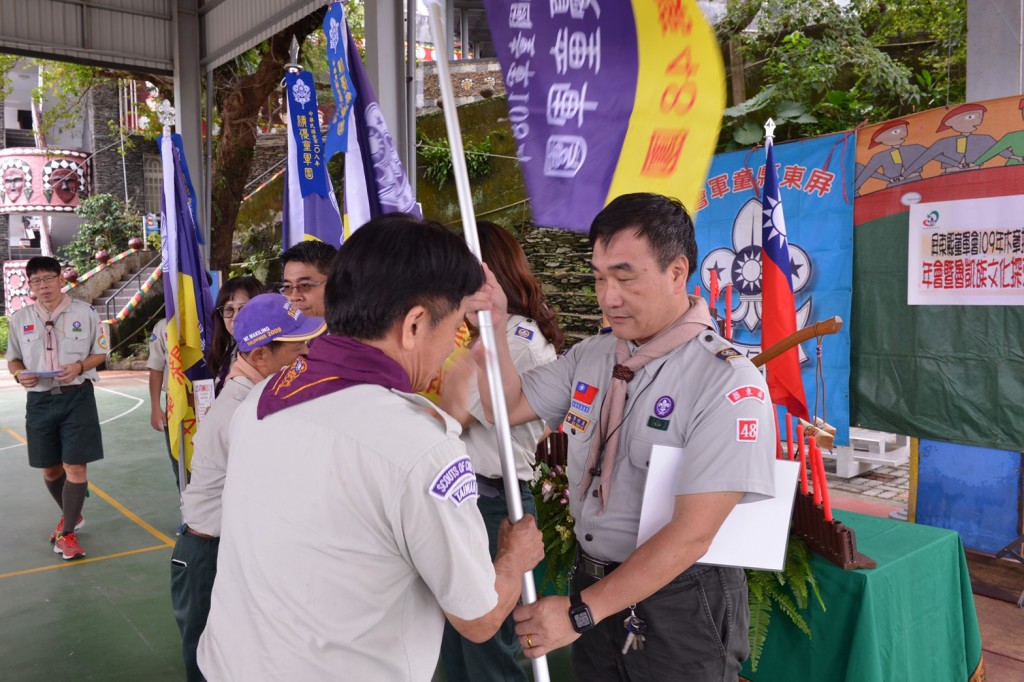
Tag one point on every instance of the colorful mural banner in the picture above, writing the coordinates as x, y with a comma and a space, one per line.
608, 98
815, 183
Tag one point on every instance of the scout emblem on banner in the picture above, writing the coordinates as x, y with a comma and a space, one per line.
608, 98
375, 181
815, 183
310, 207
336, 31
187, 298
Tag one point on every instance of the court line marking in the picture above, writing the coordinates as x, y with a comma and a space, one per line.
20, 443
79, 562
115, 504
138, 403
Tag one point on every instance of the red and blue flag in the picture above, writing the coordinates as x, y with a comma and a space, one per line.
778, 304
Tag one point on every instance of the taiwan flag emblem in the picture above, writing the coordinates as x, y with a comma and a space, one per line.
28, 329
584, 393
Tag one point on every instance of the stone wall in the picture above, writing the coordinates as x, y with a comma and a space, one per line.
271, 152
472, 81
561, 261
107, 171
5, 230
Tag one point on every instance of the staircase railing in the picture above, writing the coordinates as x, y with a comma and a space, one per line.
136, 278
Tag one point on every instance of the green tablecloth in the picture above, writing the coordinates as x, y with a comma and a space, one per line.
912, 618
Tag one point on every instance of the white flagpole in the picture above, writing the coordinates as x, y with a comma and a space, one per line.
500, 409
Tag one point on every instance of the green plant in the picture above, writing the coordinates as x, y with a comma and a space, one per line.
106, 224
436, 159
550, 488
788, 590
3, 335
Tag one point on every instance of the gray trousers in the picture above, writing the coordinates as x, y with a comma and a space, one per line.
696, 631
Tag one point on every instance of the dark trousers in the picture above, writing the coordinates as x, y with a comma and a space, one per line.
193, 568
696, 631
495, 659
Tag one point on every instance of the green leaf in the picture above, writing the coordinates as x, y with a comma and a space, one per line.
748, 134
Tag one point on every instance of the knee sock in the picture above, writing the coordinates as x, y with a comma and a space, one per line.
74, 500
56, 488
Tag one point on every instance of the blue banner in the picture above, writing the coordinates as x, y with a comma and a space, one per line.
816, 185
341, 82
304, 121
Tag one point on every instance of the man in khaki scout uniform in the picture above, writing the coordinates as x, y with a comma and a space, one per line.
55, 346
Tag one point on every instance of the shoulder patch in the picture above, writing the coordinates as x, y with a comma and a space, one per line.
719, 347
524, 332
745, 393
728, 354
455, 482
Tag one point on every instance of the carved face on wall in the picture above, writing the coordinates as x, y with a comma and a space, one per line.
65, 183
14, 184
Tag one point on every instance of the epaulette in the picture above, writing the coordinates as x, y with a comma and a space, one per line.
720, 348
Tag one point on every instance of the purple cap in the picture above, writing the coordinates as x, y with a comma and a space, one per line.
271, 317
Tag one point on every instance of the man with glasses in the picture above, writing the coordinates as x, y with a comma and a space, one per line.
306, 266
55, 346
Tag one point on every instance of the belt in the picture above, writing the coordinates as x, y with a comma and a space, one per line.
595, 568
495, 487
58, 390
204, 536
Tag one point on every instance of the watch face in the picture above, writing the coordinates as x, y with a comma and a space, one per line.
581, 618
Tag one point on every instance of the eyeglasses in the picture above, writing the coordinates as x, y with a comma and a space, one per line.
36, 281
301, 288
227, 312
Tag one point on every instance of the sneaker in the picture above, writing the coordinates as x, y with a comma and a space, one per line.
67, 546
60, 528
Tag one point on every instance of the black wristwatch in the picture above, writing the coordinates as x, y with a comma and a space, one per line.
579, 614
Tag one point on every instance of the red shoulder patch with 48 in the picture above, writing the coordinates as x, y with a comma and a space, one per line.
746, 430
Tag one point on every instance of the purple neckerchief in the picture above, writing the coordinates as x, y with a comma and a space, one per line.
334, 363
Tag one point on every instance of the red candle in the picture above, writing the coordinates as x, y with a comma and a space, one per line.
696, 292
826, 503
789, 439
728, 311
778, 441
815, 475
803, 460
714, 289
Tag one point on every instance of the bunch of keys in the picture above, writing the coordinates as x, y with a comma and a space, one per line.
636, 627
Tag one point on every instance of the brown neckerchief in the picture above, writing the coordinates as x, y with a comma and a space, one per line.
691, 323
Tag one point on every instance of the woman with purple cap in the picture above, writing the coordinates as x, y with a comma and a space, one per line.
270, 333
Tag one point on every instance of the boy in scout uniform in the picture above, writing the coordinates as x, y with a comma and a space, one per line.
661, 377
55, 346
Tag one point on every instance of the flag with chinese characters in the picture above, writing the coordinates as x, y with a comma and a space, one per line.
815, 183
375, 180
187, 299
336, 31
310, 207
778, 304
608, 98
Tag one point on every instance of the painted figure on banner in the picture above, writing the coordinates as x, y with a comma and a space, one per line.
891, 164
958, 152
1010, 142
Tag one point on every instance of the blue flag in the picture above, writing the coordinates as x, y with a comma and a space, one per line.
344, 92
310, 207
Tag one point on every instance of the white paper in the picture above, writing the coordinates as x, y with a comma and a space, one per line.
754, 534
202, 389
42, 373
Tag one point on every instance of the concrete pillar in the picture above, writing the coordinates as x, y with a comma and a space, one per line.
188, 100
995, 51
385, 65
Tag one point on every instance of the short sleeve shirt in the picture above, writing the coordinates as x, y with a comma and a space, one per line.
201, 501
704, 397
158, 350
349, 523
78, 333
529, 349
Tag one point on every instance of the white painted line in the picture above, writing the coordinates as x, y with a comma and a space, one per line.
138, 403
16, 445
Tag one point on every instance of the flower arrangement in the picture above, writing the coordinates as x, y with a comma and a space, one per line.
550, 488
